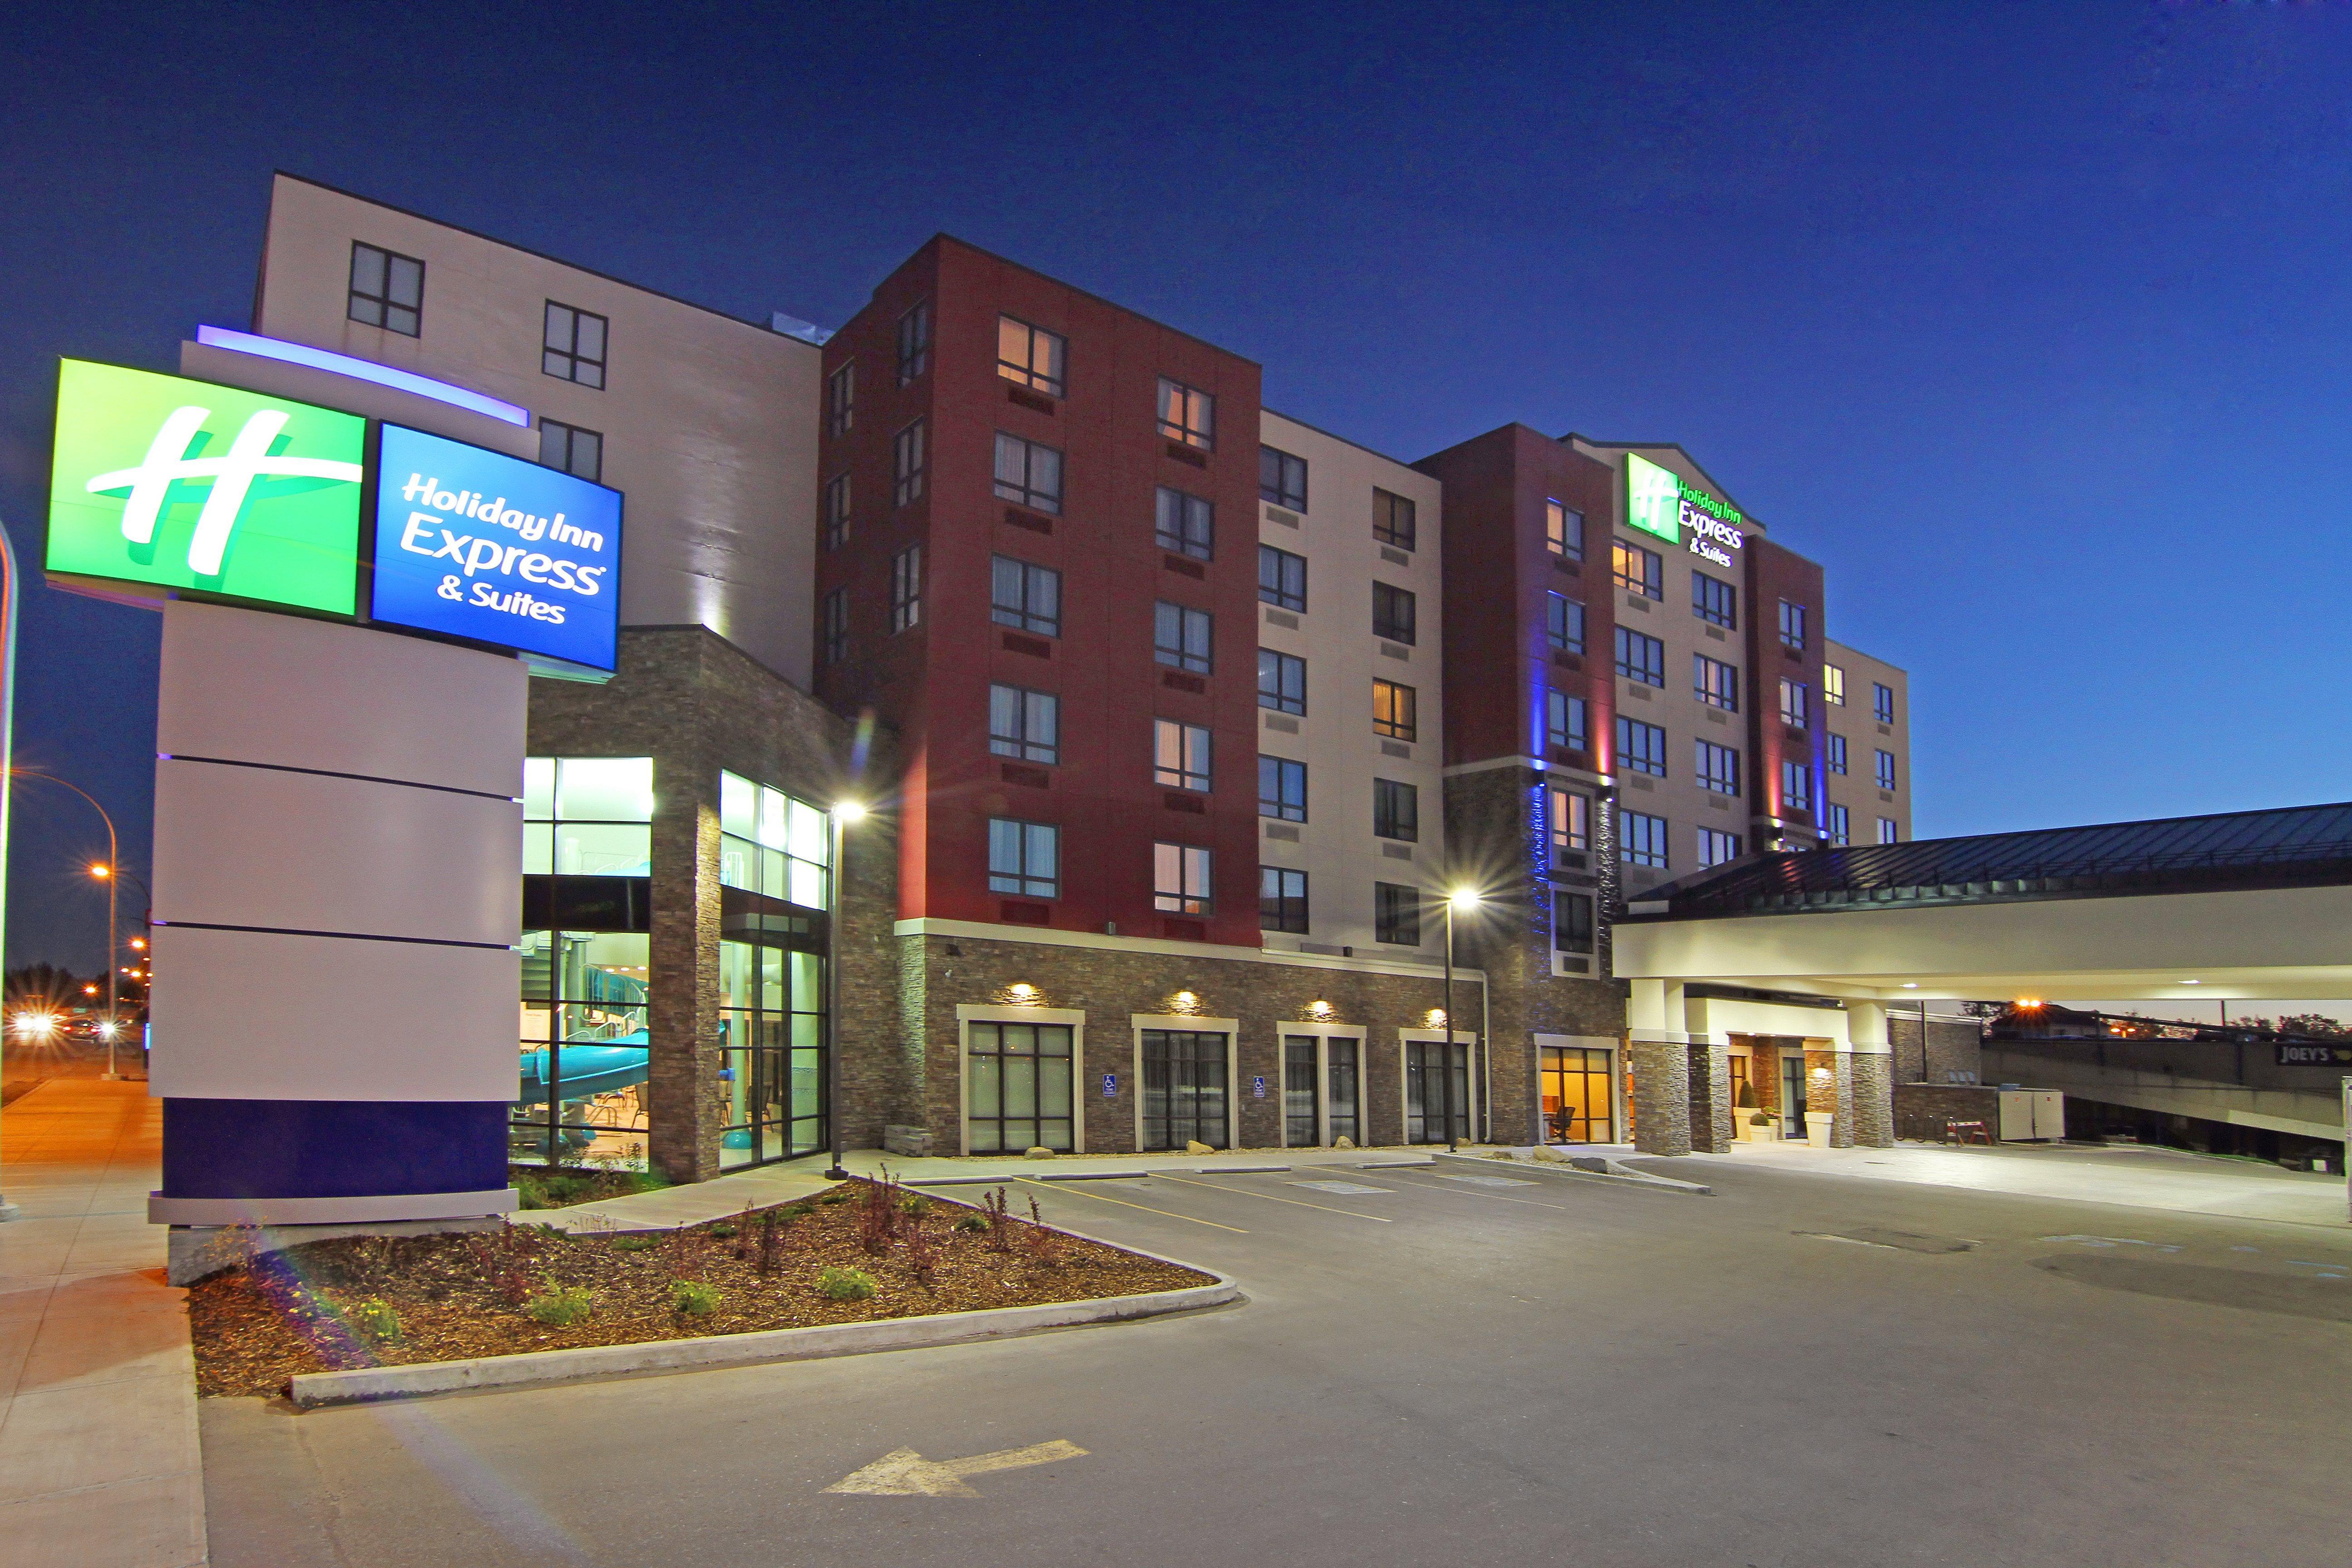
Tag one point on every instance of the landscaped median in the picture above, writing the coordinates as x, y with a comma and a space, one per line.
867, 1266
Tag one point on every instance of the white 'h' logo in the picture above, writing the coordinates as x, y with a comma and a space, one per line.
232, 475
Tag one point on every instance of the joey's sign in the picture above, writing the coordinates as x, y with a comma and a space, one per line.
1659, 502
477, 544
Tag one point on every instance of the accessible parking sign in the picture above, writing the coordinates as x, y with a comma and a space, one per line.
474, 543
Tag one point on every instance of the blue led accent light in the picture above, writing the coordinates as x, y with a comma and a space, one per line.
363, 370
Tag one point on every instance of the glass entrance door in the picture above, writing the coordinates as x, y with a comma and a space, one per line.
1792, 1096
1339, 1096
1183, 1088
1298, 1110
1577, 1105
1424, 1108
1017, 1087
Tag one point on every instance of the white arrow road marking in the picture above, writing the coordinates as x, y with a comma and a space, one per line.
905, 1473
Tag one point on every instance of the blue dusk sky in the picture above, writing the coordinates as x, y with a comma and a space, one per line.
2026, 321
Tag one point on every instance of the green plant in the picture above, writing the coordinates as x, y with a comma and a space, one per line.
972, 1222
375, 1319
560, 1306
915, 1204
693, 1298
634, 1243
722, 1230
845, 1284
831, 1198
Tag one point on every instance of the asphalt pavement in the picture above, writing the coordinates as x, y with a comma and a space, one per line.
1799, 1371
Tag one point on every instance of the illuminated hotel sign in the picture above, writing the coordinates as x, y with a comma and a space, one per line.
477, 544
1660, 501
185, 484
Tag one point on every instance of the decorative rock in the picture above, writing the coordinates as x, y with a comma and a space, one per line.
1546, 1152
1343, 1141
910, 1142
1196, 1147
1038, 1151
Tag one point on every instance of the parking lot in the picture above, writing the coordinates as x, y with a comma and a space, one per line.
1799, 1369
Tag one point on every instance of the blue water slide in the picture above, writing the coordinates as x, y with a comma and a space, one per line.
598, 1066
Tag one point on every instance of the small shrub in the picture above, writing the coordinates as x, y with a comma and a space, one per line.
972, 1222
845, 1284
915, 1204
375, 1319
722, 1230
634, 1243
693, 1298
831, 1198
1044, 1244
878, 1218
560, 1306
922, 1248
504, 1259
773, 1224
1000, 1223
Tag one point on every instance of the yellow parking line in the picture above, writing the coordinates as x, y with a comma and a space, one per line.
1475, 1193
1295, 1203
1147, 1209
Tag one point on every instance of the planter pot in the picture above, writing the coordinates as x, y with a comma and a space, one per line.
1817, 1127
1767, 1134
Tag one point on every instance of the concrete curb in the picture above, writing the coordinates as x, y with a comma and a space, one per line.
367, 1385
1041, 1174
1598, 1168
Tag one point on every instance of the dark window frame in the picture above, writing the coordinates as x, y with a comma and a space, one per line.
1568, 725
914, 342
836, 626
1019, 880
1278, 696
910, 460
1396, 811
1189, 770
1018, 737
1395, 521
1715, 767
1180, 652
1642, 840
1388, 599
382, 306
1281, 578
1022, 612
1403, 720
1396, 914
841, 399
906, 589
1275, 467
1641, 657
837, 504
1792, 626
1716, 682
1279, 907
566, 441
1563, 530
1652, 584
568, 360
1564, 622
1187, 402
1038, 485
1025, 373
1183, 523
1641, 746
1281, 788
1882, 702
1714, 601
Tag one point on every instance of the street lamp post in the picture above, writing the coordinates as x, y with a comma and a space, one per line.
1464, 899
843, 813
104, 873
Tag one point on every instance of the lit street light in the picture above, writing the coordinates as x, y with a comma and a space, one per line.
1464, 899
843, 813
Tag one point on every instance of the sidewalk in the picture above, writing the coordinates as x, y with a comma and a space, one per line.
2138, 1177
99, 1459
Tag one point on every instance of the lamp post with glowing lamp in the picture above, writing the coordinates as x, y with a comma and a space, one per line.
843, 813
1463, 899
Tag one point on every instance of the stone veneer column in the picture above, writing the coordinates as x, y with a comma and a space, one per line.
684, 1092
1867, 1095
1660, 1069
1710, 1095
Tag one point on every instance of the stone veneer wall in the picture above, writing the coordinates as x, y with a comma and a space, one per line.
697, 704
1497, 844
1874, 1100
1953, 1045
1109, 984
1710, 1091
1657, 1086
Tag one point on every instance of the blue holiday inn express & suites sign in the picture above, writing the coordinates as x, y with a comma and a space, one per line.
477, 544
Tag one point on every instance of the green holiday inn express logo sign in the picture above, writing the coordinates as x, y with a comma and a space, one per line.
189, 484
1658, 502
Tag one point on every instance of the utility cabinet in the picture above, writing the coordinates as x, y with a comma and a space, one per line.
2028, 1114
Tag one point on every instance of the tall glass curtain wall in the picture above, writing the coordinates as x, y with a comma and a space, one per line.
772, 1022
1424, 1092
580, 1091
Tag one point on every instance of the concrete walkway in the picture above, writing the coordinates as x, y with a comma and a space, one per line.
2137, 1177
100, 1465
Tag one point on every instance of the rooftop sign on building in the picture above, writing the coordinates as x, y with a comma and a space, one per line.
1662, 503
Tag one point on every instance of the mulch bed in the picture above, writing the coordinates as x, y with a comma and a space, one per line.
462, 1295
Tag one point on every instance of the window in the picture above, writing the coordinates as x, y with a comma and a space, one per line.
572, 346
1187, 524
387, 290
579, 453
914, 343
837, 511
1281, 478
1837, 754
1792, 626
1834, 685
1571, 828
1795, 709
1563, 531
1281, 577
1281, 681
841, 399
1026, 596
1644, 839
1889, 832
1564, 722
1642, 747
1180, 879
1641, 657
1571, 923
1885, 770
907, 588
1396, 914
1638, 570
1030, 356
1796, 787
1180, 754
1718, 768
1717, 848
1187, 414
1396, 811
1392, 612
1715, 683
1028, 474
1281, 899
1882, 702
1024, 858
1392, 518
1018, 1078
1024, 724
1281, 789
770, 843
836, 626
587, 816
1715, 602
1393, 711
1180, 638
1564, 622
907, 465
1834, 818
